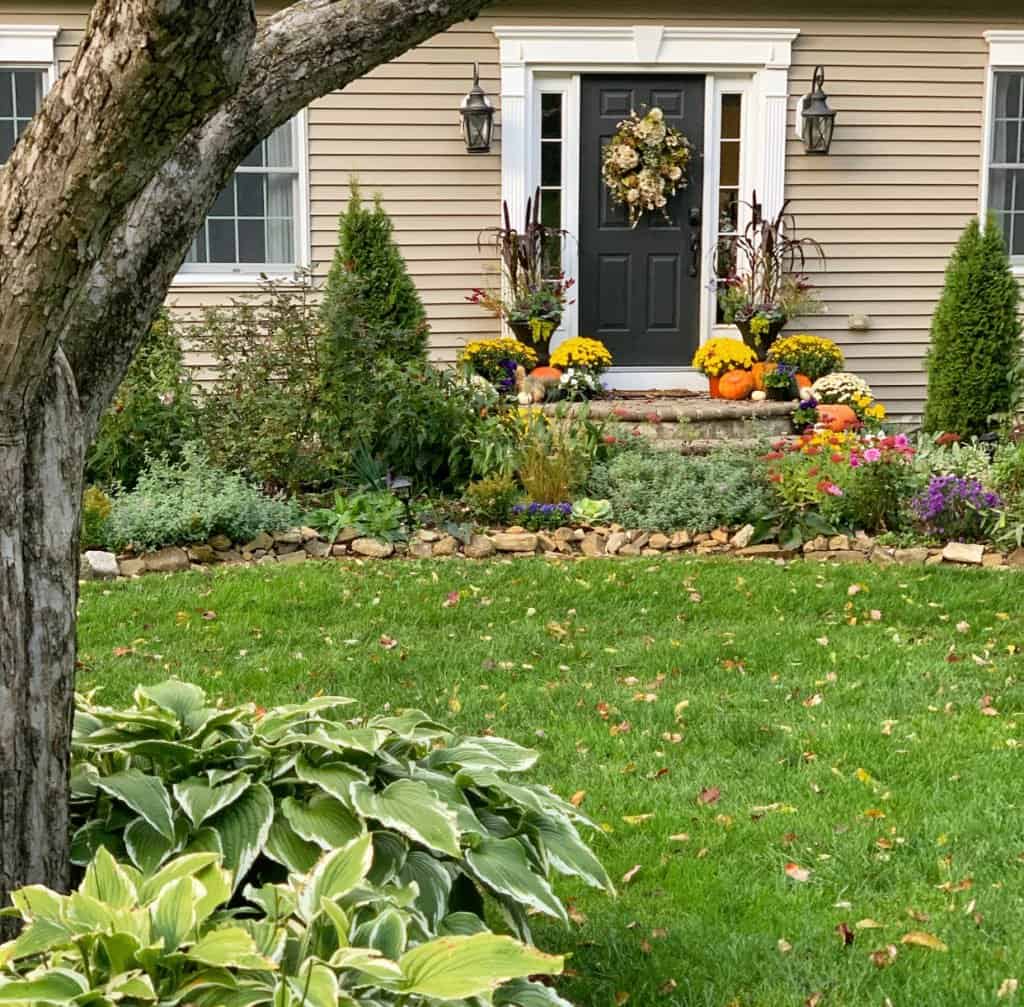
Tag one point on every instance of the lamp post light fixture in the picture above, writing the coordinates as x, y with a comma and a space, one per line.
817, 119
477, 117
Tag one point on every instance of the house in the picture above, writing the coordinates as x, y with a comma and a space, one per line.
929, 131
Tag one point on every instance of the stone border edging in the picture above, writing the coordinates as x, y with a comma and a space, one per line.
297, 545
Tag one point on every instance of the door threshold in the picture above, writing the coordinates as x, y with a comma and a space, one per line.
645, 379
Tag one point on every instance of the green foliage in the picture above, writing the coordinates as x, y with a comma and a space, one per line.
152, 413
376, 513
96, 510
265, 415
968, 459
491, 500
975, 336
556, 454
587, 510
336, 934
371, 307
189, 501
1008, 471
271, 791
660, 490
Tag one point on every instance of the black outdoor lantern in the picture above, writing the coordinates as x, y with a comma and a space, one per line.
818, 118
477, 117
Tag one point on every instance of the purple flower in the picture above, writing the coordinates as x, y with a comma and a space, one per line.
955, 506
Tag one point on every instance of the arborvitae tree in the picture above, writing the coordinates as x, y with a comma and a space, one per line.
371, 306
975, 336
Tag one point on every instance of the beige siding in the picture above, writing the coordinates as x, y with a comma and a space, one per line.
887, 204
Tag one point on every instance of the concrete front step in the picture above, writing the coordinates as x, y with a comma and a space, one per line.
692, 425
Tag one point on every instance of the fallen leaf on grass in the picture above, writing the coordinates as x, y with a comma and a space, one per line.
816, 700
451, 601
668, 986
867, 924
709, 795
680, 837
884, 956
784, 946
921, 939
813, 1000
577, 799
1007, 988
621, 997
845, 934
209, 615
388, 642
797, 873
630, 874
637, 819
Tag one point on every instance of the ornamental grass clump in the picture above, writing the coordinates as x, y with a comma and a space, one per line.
956, 508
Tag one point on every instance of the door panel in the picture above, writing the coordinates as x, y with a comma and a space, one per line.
636, 291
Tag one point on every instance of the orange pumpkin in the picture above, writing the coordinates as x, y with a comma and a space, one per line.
838, 417
802, 381
736, 384
549, 375
758, 371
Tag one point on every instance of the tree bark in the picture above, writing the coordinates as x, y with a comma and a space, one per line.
159, 106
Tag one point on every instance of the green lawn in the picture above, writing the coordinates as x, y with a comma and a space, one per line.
865, 725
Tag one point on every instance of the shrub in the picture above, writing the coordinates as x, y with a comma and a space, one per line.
954, 507
448, 818
812, 356
491, 500
950, 457
371, 307
190, 501
376, 513
266, 414
329, 936
975, 336
661, 491
1008, 471
152, 413
96, 510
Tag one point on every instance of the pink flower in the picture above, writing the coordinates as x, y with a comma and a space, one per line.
833, 490
900, 441
872, 455
854, 461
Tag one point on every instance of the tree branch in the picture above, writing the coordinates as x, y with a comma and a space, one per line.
304, 51
147, 72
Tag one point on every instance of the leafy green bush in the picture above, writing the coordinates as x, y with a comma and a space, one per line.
96, 510
266, 415
152, 414
178, 503
660, 490
378, 514
975, 336
491, 500
271, 791
968, 458
331, 936
371, 307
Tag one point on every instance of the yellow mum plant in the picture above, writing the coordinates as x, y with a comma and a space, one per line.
719, 355
496, 359
583, 353
814, 356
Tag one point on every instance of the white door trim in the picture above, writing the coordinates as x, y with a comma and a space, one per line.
755, 61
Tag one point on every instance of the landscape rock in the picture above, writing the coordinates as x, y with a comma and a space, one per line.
479, 547
169, 560
132, 566
299, 556
863, 542
882, 557
720, 535
98, 564
266, 559
202, 554
629, 549
658, 542
742, 538
292, 536
446, 546
308, 534
510, 541
911, 557
317, 549
839, 542
963, 552
993, 560
374, 548
229, 556
592, 545
615, 542
770, 549
841, 556
428, 535
1016, 558
421, 550
284, 548
346, 535
933, 560
817, 544
337, 551
220, 542
680, 540
260, 541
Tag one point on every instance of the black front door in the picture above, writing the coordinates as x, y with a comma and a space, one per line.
639, 288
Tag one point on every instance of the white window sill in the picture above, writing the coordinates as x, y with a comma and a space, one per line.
232, 279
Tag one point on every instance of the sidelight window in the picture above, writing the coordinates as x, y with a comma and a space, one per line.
728, 216
21, 94
552, 171
1006, 159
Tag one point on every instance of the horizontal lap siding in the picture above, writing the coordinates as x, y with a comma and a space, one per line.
887, 203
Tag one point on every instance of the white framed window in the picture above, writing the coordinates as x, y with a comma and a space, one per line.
1002, 184
258, 223
28, 69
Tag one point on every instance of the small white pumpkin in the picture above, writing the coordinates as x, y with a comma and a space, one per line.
758, 396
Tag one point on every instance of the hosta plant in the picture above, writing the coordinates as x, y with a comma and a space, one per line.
332, 936
271, 791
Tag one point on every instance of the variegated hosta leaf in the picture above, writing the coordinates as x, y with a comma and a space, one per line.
565, 850
180, 698
410, 807
173, 914
385, 933
322, 820
145, 795
108, 882
434, 884
523, 993
497, 754
58, 986
453, 968
243, 827
335, 875
199, 800
228, 947
501, 864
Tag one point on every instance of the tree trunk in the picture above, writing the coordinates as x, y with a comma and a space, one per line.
41, 472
